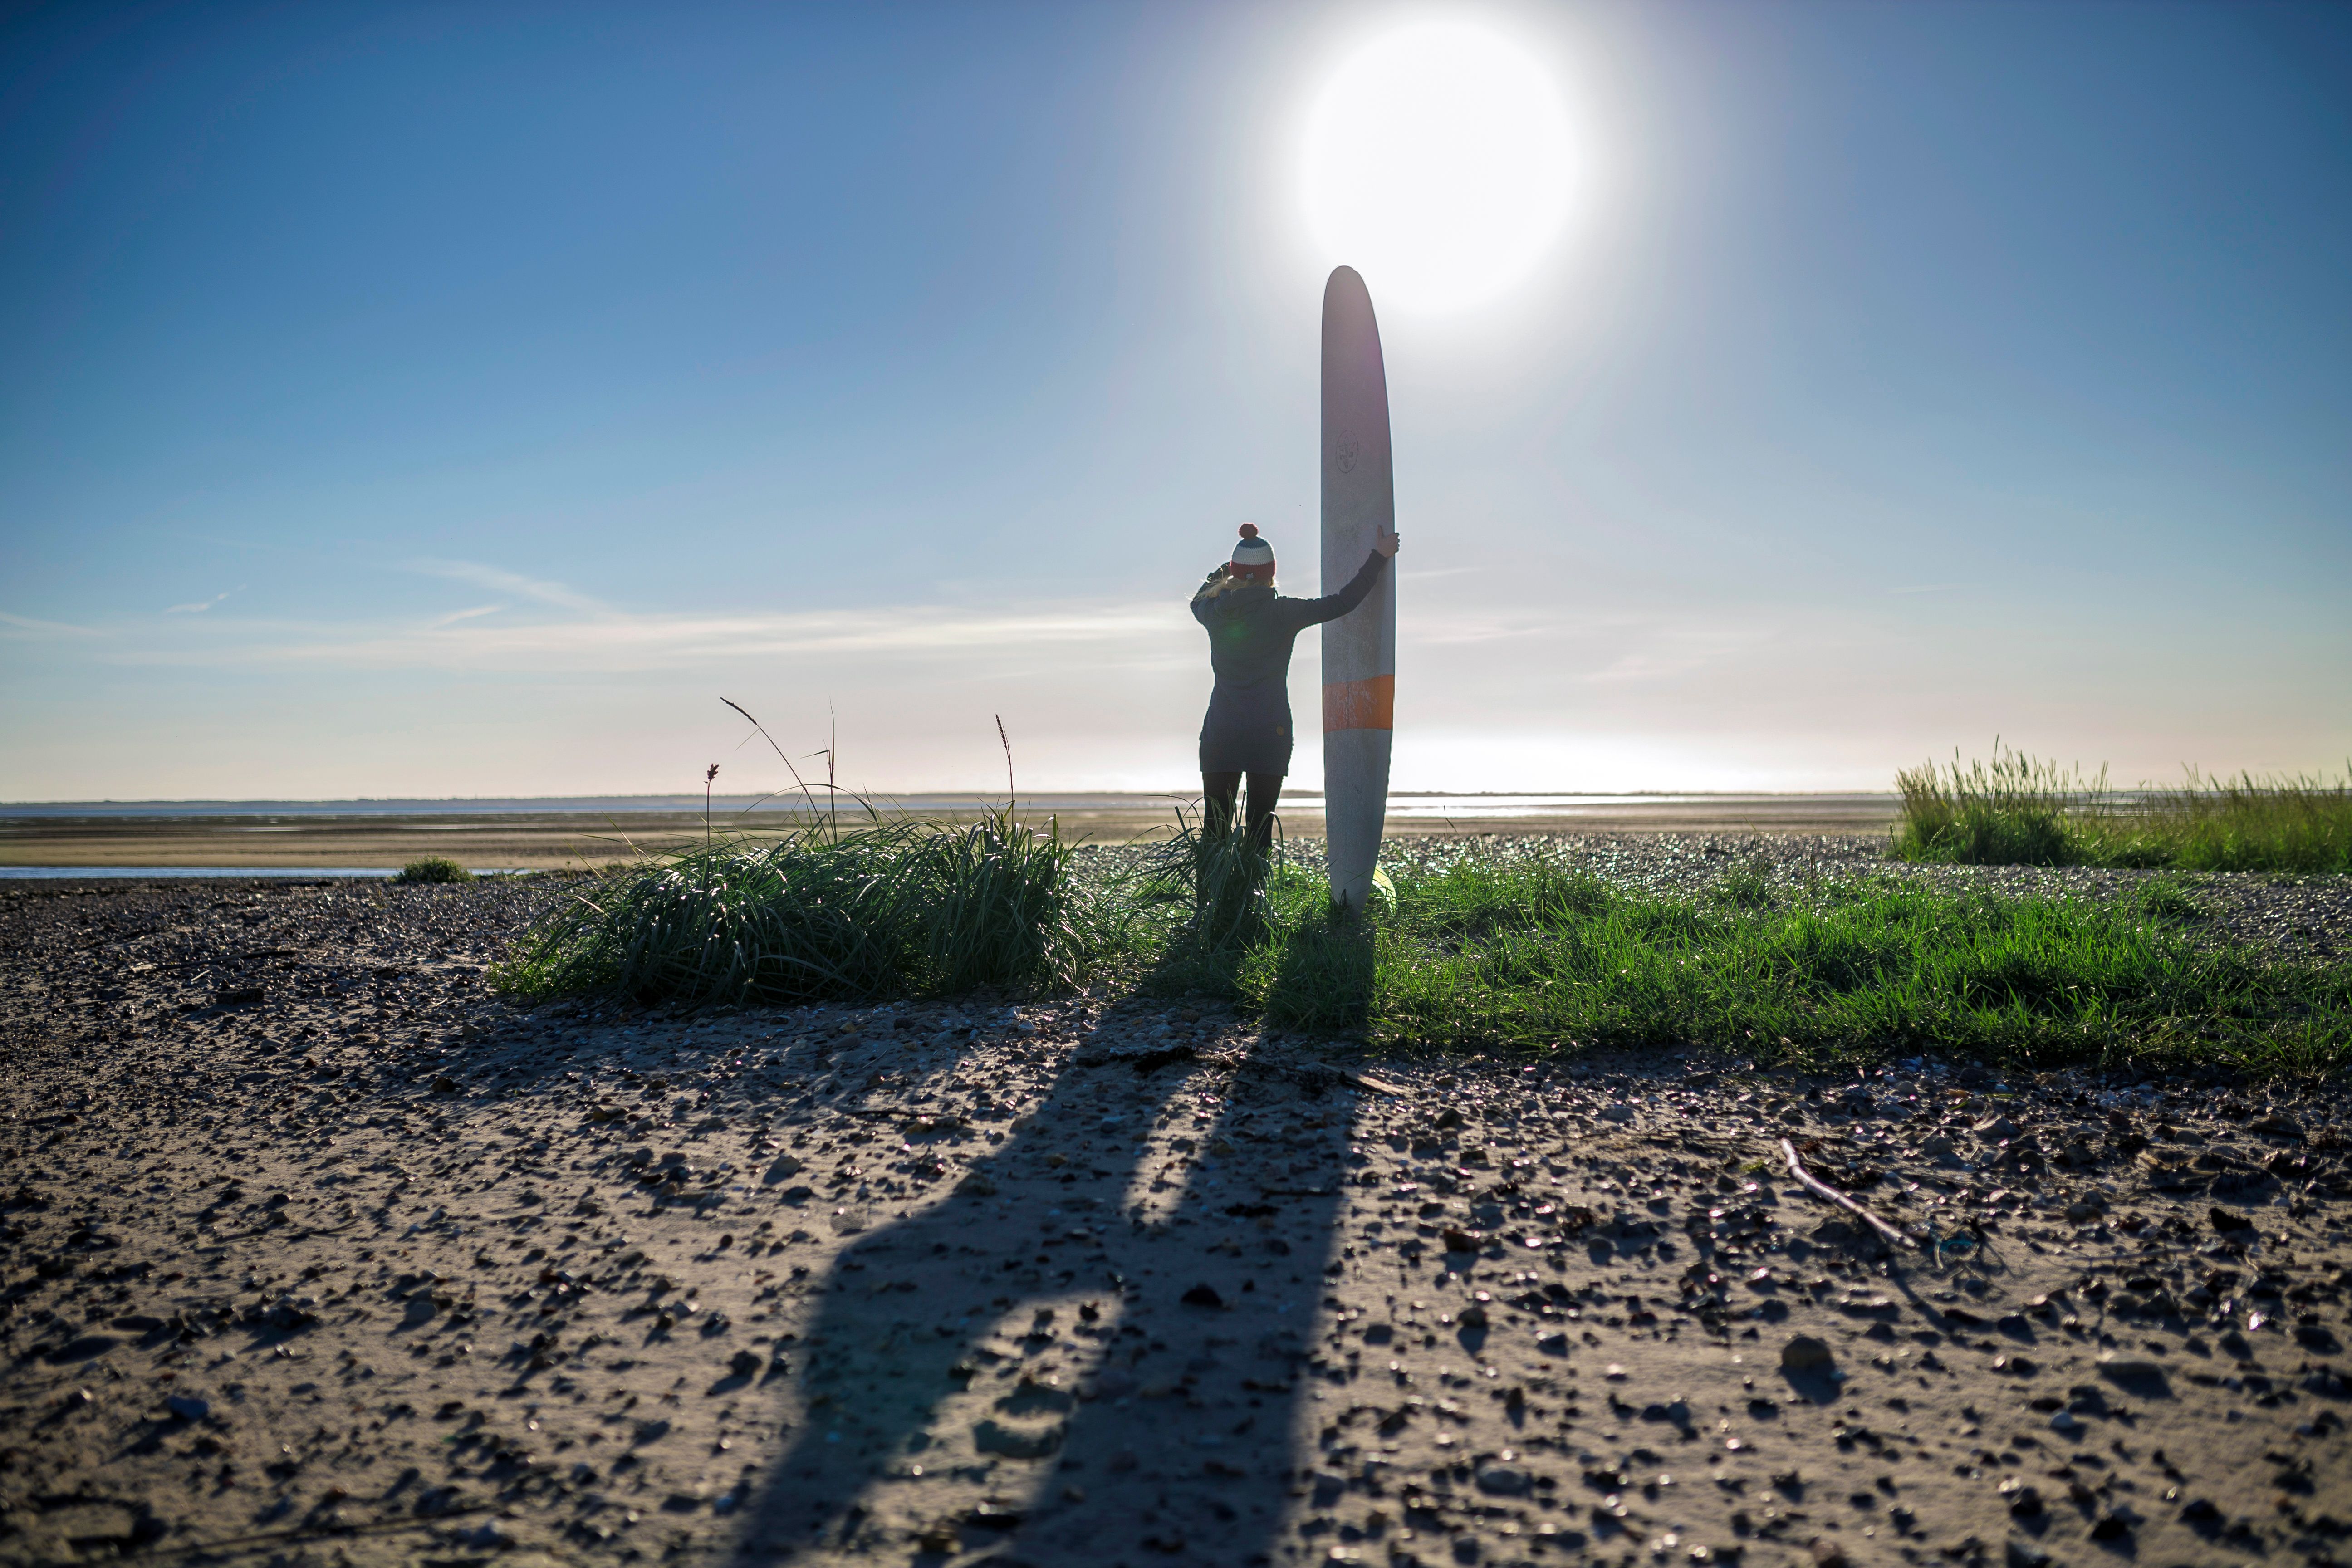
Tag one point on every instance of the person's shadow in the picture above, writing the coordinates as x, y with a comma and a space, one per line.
1086, 1355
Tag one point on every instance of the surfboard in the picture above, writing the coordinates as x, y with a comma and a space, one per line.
1359, 647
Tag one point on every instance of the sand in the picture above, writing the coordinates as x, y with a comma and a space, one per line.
319, 1253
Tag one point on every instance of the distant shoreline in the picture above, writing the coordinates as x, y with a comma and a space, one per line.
290, 838
794, 804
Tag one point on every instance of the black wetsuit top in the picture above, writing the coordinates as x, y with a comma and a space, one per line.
1248, 729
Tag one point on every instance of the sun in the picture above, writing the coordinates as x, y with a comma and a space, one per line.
1439, 162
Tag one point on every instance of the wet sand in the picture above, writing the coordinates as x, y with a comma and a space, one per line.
524, 841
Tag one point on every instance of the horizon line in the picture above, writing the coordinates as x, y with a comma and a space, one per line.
792, 795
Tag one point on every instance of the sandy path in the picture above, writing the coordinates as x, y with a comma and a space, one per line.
376, 1269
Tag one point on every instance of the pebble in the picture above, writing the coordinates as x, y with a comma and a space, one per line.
1805, 1356
1504, 1480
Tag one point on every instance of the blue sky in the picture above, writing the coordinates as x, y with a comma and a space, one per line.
459, 401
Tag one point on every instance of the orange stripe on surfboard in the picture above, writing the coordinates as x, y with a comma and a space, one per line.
1359, 704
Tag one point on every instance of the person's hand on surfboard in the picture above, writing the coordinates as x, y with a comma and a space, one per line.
1385, 541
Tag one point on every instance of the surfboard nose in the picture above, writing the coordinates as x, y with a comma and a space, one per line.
1348, 300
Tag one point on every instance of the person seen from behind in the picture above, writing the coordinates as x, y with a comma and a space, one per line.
1251, 626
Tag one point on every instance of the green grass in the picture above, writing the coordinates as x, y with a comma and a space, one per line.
2251, 825
433, 868
1527, 956
2168, 898
888, 907
1473, 952
1211, 892
2015, 810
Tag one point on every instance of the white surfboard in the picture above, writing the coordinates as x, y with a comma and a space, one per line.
1359, 647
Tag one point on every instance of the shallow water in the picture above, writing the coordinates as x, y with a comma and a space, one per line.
145, 873
1478, 808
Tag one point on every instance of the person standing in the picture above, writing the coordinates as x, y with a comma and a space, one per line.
1250, 626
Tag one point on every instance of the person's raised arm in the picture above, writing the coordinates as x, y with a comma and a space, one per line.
1206, 594
1332, 606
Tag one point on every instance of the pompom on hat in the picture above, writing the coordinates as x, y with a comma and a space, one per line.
1253, 557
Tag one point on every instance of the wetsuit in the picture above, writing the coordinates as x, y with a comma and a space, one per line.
1248, 729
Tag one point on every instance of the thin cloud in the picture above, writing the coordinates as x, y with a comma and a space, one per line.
1036, 643
498, 580
23, 627
201, 606
1442, 629
620, 643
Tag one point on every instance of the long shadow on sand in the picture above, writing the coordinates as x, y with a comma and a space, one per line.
1072, 1360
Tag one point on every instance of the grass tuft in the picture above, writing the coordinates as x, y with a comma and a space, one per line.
890, 907
2011, 811
2015, 810
2167, 898
1743, 888
433, 868
1220, 878
2299, 825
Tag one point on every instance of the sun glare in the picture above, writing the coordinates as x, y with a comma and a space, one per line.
1439, 163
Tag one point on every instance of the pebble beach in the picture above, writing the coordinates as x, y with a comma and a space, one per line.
316, 1250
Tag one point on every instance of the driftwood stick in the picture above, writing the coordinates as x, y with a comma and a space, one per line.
311, 1531
1821, 1189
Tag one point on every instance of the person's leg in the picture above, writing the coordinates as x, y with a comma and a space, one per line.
1218, 792
1265, 794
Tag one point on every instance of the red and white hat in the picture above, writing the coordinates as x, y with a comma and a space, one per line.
1253, 557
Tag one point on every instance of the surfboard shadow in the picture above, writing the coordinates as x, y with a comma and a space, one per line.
1091, 1363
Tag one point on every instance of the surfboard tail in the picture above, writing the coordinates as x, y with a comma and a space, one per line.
1358, 724
1355, 810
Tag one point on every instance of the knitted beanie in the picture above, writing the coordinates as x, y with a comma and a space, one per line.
1253, 557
